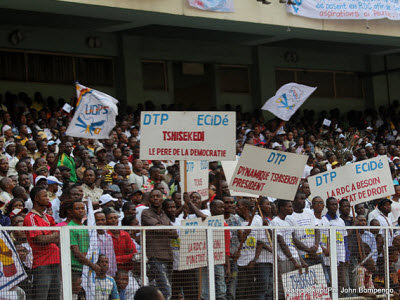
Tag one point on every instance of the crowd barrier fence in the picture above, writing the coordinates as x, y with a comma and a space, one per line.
321, 281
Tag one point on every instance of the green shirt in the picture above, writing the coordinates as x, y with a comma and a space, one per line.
79, 237
69, 162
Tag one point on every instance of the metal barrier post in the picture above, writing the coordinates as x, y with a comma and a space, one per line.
275, 253
143, 261
210, 254
386, 260
333, 259
65, 248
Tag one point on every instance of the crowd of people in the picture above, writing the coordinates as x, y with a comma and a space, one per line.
48, 179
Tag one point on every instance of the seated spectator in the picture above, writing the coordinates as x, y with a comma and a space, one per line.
149, 293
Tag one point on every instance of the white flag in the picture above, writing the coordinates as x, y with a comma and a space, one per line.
88, 275
94, 116
288, 99
213, 5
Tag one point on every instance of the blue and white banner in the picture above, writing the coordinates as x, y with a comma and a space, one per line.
213, 5
11, 269
346, 9
288, 99
95, 114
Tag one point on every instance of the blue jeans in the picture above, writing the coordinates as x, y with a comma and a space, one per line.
265, 281
47, 282
161, 272
220, 285
232, 283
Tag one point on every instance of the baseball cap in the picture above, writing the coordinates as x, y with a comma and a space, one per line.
18, 211
39, 178
53, 180
98, 149
51, 143
276, 145
9, 143
5, 128
137, 191
42, 135
104, 199
383, 201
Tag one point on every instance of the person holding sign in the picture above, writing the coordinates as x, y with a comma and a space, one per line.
289, 259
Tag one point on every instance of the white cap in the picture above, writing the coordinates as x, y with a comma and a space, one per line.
368, 145
5, 128
338, 130
276, 145
369, 128
40, 177
53, 179
104, 199
341, 136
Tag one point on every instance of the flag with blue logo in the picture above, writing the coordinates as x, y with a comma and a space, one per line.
213, 5
288, 99
95, 114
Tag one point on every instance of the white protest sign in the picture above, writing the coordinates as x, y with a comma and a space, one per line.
229, 168
193, 243
188, 135
327, 122
197, 177
268, 173
11, 269
358, 182
345, 9
311, 285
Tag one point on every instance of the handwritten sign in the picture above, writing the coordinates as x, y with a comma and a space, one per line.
188, 135
193, 243
268, 173
358, 182
311, 285
229, 168
197, 177
346, 9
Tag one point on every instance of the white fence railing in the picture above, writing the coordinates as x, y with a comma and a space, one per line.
333, 268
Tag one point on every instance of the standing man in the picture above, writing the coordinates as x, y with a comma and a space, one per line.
67, 160
334, 220
79, 238
89, 187
102, 164
21, 152
306, 240
136, 176
45, 249
289, 259
158, 243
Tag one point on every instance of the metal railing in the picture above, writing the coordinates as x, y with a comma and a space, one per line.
333, 286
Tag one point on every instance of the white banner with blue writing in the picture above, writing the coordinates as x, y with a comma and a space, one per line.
357, 182
95, 114
346, 9
213, 5
288, 99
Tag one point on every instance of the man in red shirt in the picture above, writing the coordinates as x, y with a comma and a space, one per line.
45, 249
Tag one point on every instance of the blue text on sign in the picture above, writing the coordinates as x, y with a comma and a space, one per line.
368, 166
211, 120
325, 178
279, 158
157, 119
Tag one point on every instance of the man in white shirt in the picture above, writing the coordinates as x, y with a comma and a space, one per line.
334, 220
376, 212
136, 176
385, 208
288, 256
246, 255
306, 240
